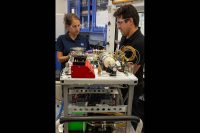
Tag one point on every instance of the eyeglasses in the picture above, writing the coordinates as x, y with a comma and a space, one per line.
119, 22
75, 26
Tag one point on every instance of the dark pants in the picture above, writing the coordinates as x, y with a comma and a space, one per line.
138, 103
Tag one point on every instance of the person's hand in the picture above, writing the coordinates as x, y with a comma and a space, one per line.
86, 54
73, 53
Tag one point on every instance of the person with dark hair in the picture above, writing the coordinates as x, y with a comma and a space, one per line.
70, 39
127, 19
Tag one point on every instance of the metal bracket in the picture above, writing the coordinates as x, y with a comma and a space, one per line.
120, 108
92, 91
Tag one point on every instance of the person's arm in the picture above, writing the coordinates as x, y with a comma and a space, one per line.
62, 58
136, 68
140, 55
60, 48
88, 45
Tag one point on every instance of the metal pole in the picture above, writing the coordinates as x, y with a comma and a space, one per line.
99, 118
129, 109
65, 107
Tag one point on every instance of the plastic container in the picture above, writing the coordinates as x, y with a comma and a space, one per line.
77, 126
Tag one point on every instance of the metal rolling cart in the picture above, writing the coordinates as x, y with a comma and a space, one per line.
67, 82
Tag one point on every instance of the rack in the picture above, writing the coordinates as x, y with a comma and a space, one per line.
87, 10
69, 83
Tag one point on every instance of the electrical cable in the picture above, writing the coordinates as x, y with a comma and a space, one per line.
121, 97
129, 48
61, 109
138, 57
58, 99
